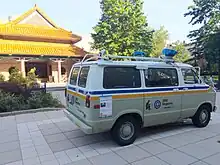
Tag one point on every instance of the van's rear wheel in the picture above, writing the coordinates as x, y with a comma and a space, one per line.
202, 116
125, 130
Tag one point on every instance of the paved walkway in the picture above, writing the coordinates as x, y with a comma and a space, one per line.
49, 138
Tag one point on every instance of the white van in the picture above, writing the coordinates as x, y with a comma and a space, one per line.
123, 96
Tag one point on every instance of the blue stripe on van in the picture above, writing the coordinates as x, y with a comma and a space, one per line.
136, 90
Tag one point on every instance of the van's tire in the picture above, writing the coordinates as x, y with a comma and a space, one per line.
125, 130
202, 117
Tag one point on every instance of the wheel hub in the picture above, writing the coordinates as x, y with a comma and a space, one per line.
203, 116
126, 131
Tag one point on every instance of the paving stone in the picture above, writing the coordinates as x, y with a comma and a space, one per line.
54, 114
39, 141
75, 154
103, 159
31, 161
10, 156
154, 147
43, 150
52, 162
82, 141
151, 161
10, 146
213, 160
90, 154
85, 148
47, 126
74, 134
15, 163
39, 116
61, 145
199, 163
197, 151
180, 140
62, 158
55, 138
50, 131
10, 138
66, 126
29, 153
80, 162
132, 153
175, 157
104, 147
45, 158
24, 118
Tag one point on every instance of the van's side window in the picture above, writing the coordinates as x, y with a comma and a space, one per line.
161, 77
121, 77
83, 77
190, 76
74, 75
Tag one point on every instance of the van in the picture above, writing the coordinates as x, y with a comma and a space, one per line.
124, 94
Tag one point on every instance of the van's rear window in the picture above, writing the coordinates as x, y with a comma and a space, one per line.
83, 76
74, 75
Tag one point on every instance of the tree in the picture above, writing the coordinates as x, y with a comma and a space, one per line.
122, 28
183, 53
160, 38
205, 39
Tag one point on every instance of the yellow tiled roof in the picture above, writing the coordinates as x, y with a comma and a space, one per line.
39, 48
36, 31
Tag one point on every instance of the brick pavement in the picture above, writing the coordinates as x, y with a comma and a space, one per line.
49, 138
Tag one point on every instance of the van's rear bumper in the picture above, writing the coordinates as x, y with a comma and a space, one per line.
85, 128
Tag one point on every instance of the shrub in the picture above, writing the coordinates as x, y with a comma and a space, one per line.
16, 77
2, 78
11, 102
32, 78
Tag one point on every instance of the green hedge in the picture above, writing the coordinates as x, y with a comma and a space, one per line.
10, 102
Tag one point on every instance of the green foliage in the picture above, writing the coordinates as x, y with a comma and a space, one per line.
31, 78
160, 38
122, 28
183, 53
16, 77
40, 100
205, 40
10, 102
2, 78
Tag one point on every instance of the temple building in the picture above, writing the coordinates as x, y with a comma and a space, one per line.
33, 40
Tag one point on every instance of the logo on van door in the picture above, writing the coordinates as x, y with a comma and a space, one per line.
157, 104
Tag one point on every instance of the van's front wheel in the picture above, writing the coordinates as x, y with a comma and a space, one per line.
125, 130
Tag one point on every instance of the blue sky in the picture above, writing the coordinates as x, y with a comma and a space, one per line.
80, 16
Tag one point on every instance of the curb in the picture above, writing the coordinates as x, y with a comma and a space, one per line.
4, 114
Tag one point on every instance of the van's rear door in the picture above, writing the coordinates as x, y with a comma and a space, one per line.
77, 90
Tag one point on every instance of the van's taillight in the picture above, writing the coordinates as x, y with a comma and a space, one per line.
88, 101
97, 106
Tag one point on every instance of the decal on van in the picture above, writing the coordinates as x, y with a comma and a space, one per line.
148, 105
157, 104
105, 106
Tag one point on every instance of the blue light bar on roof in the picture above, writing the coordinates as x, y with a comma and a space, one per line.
138, 54
169, 52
